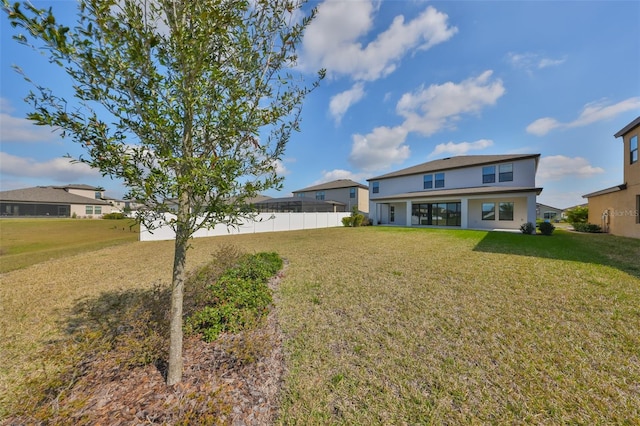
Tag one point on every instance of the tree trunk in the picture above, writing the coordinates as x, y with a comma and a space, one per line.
174, 373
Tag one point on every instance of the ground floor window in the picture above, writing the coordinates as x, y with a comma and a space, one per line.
440, 214
88, 210
488, 211
98, 210
506, 211
392, 214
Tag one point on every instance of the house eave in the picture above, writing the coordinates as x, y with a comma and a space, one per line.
606, 191
459, 192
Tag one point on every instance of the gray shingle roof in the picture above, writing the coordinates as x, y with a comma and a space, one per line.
455, 163
335, 184
47, 194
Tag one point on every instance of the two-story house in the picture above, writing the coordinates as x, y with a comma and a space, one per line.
345, 191
617, 209
471, 191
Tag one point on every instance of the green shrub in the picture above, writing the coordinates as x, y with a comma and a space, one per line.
114, 216
528, 228
546, 228
578, 215
358, 219
238, 299
587, 227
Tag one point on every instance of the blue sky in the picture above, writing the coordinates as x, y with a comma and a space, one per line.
409, 82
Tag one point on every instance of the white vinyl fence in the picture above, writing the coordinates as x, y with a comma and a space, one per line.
263, 222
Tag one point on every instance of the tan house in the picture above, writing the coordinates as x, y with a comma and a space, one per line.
343, 191
617, 209
56, 201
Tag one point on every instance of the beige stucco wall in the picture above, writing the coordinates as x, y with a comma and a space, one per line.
519, 213
622, 212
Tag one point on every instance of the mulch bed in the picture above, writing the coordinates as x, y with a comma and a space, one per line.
234, 381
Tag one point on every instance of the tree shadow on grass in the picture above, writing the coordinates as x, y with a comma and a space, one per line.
602, 249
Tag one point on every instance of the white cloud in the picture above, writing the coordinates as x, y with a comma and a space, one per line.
429, 110
281, 169
426, 112
542, 126
379, 149
15, 129
58, 169
5, 106
331, 175
591, 113
530, 61
332, 40
557, 167
461, 148
341, 102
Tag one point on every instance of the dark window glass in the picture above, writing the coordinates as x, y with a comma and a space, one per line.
439, 180
488, 211
506, 172
506, 211
428, 182
633, 149
489, 174
376, 187
320, 195
352, 193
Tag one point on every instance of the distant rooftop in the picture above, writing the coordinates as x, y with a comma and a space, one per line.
335, 184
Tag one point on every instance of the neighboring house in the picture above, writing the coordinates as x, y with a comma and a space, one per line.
473, 191
548, 213
298, 205
56, 201
344, 191
617, 209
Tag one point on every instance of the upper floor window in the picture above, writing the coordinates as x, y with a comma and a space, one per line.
428, 182
633, 149
97, 195
439, 180
506, 172
300, 194
320, 195
489, 174
375, 187
352, 193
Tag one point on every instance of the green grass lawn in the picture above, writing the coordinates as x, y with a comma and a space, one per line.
25, 242
402, 326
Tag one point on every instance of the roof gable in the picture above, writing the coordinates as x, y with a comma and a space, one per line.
47, 194
335, 184
455, 163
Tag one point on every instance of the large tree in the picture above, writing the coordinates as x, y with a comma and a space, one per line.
191, 101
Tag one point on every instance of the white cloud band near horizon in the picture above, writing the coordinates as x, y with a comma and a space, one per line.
591, 113
58, 169
557, 167
461, 148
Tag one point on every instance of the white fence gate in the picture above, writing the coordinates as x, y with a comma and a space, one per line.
263, 222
